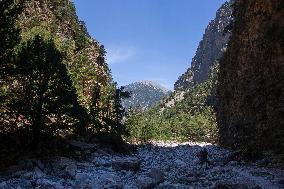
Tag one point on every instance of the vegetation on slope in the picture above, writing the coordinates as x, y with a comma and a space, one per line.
54, 79
192, 118
144, 94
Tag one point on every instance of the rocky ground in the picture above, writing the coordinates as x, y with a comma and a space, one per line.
163, 166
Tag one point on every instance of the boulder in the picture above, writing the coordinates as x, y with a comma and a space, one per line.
64, 167
83, 180
157, 175
4, 185
127, 164
37, 173
82, 146
39, 164
188, 180
180, 164
146, 182
70, 171
102, 162
110, 180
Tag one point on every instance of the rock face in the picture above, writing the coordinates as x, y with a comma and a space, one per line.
144, 94
251, 79
210, 49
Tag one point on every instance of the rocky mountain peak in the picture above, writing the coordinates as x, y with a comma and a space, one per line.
154, 85
144, 94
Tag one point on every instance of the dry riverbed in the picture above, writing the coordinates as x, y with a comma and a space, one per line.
161, 165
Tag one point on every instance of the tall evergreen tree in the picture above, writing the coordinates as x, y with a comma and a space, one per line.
9, 38
117, 127
44, 94
9, 33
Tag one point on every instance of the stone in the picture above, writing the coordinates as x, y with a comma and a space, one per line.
84, 180
179, 163
145, 182
157, 175
188, 180
3, 185
37, 173
39, 164
101, 162
70, 171
110, 180
82, 146
128, 165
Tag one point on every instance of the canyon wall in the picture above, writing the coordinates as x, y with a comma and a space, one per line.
251, 78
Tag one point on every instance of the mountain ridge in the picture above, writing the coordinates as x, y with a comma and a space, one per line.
144, 94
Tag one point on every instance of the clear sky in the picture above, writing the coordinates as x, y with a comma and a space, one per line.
148, 39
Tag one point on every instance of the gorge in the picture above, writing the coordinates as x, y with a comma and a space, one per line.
63, 122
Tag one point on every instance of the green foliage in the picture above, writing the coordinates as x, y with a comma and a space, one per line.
192, 118
9, 32
9, 38
43, 92
83, 57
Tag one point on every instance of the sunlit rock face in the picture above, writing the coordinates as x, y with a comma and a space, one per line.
251, 79
210, 49
144, 94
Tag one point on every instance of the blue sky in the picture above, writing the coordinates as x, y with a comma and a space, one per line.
148, 39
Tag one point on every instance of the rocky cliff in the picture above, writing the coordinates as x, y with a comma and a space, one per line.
144, 94
251, 79
210, 49
83, 55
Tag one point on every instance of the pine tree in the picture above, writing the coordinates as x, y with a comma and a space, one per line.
9, 38
9, 33
44, 94
119, 110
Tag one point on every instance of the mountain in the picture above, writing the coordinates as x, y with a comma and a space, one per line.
189, 112
144, 94
210, 49
205, 62
251, 80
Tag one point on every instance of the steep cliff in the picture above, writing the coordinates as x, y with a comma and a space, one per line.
251, 79
210, 49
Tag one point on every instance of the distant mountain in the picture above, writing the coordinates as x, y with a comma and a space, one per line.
144, 94
188, 113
